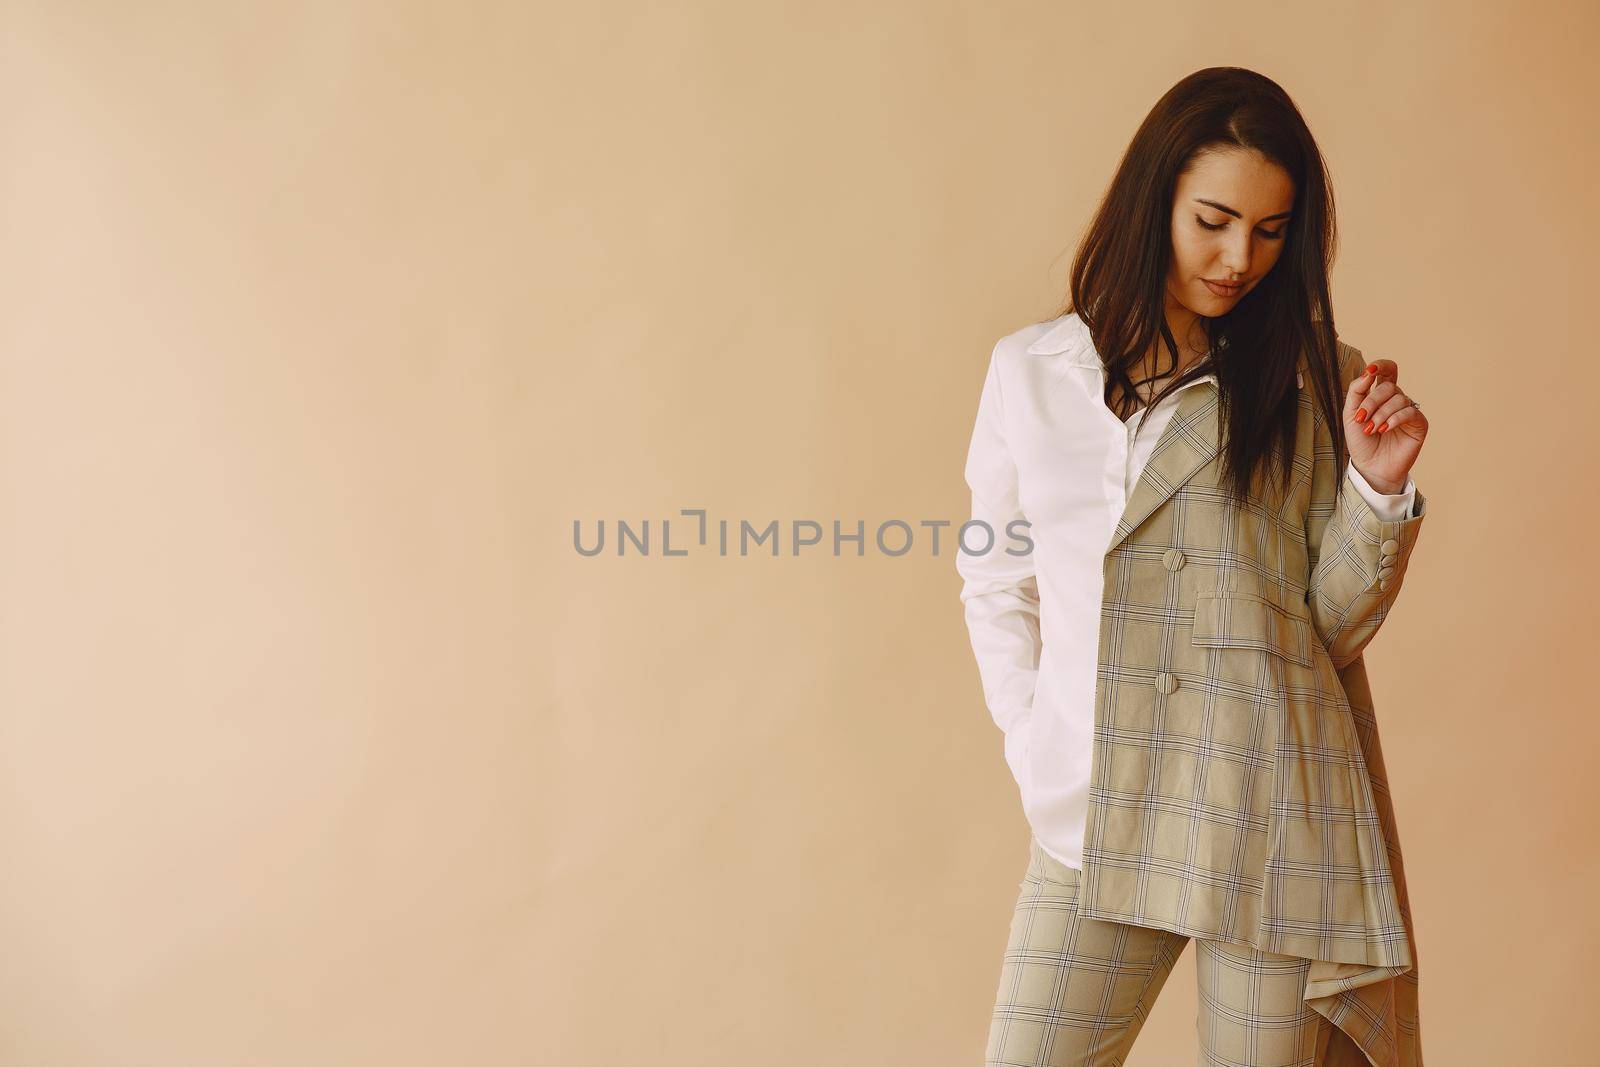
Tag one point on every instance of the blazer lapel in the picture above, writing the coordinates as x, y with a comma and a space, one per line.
1188, 442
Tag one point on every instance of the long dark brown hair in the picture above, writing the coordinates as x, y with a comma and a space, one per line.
1119, 276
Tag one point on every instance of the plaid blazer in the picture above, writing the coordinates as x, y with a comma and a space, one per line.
1237, 786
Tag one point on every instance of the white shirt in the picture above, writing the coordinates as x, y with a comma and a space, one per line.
1046, 449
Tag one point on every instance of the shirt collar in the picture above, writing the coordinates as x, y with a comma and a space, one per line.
1070, 338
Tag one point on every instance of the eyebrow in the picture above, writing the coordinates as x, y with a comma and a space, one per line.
1235, 214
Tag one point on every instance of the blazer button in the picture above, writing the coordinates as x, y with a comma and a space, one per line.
1173, 559
1390, 547
1383, 583
1166, 683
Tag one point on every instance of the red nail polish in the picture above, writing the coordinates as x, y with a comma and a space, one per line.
1384, 427
1372, 368
1361, 414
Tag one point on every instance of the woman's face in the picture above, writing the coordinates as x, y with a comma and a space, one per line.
1230, 218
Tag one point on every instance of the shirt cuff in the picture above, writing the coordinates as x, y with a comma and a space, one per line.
1390, 507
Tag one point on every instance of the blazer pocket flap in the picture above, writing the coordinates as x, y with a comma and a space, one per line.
1243, 620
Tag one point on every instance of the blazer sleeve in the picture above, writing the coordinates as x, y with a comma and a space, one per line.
1357, 555
1387, 505
1000, 589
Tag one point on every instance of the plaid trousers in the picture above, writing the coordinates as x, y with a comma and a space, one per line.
1076, 991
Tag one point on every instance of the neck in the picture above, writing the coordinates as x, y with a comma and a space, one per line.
1190, 334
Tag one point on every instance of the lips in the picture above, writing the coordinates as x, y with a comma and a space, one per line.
1223, 290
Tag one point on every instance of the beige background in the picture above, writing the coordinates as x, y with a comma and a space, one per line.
319, 743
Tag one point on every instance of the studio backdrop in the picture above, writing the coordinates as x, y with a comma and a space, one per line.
479, 488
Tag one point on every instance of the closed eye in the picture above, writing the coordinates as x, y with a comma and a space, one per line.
1271, 235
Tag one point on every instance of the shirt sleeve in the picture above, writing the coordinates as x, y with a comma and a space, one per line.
1000, 590
1389, 506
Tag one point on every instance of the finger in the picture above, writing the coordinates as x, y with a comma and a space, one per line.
1406, 413
1389, 413
1378, 370
1384, 369
1373, 395
1356, 393
1388, 401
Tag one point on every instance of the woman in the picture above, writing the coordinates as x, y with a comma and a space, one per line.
1200, 512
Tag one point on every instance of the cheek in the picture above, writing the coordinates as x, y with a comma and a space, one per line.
1189, 254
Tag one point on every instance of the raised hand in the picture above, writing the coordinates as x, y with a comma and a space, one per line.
1383, 427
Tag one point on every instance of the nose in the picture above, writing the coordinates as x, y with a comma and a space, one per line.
1236, 256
